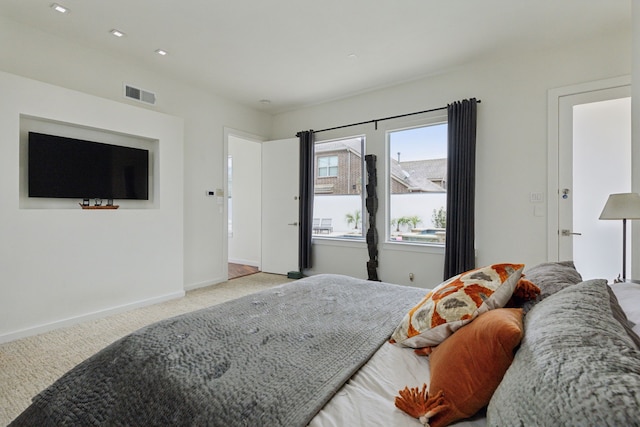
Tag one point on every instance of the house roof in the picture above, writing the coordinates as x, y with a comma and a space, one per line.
417, 175
434, 169
291, 54
415, 178
352, 144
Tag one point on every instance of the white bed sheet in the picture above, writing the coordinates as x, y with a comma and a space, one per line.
367, 399
628, 295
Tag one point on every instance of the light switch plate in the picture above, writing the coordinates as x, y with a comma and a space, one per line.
536, 197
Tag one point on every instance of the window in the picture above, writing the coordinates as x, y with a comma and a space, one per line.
338, 204
418, 184
328, 166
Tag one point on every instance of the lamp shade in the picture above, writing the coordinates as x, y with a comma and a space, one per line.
622, 206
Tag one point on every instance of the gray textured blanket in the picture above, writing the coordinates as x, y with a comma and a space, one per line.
576, 366
269, 359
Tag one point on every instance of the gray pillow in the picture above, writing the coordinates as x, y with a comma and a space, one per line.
576, 366
551, 277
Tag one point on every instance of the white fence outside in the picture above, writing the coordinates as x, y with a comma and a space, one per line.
411, 204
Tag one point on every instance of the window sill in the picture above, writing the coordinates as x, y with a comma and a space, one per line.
389, 246
336, 241
414, 247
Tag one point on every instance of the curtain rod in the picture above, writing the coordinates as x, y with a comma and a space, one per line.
385, 118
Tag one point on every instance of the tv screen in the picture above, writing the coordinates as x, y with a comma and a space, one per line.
61, 167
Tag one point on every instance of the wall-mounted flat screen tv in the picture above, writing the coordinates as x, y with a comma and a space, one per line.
61, 167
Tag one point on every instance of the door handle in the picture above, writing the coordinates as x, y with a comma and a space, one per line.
293, 223
567, 233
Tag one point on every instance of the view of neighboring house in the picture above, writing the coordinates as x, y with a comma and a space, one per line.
339, 167
339, 171
338, 187
419, 176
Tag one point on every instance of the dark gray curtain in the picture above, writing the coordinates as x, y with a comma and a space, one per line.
306, 198
461, 164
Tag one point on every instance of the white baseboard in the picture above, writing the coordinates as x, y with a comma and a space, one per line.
192, 286
88, 316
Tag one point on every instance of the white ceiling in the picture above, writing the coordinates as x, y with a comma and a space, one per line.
300, 52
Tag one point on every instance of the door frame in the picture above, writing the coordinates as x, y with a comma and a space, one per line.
553, 145
227, 131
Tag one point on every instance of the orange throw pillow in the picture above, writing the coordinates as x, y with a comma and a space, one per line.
466, 368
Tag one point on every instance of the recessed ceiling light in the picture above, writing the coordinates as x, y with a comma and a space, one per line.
265, 101
116, 33
352, 56
59, 8
161, 52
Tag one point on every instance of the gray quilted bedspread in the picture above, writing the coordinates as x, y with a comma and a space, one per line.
268, 359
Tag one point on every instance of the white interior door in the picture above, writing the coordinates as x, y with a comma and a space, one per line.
280, 210
593, 161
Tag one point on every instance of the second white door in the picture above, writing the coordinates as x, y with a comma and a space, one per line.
594, 161
280, 205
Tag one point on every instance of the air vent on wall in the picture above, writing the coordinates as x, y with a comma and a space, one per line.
139, 94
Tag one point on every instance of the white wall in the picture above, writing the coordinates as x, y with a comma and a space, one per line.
200, 246
511, 151
31, 53
60, 262
245, 242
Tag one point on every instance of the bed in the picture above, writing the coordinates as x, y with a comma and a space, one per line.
317, 352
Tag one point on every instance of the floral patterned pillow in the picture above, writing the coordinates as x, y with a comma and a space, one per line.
456, 302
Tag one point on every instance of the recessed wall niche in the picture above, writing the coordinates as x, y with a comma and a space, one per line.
77, 131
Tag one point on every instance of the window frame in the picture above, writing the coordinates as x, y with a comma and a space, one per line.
434, 118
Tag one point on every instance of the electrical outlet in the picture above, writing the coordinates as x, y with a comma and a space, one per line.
411, 277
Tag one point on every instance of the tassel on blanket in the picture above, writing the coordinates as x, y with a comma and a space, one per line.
417, 403
424, 351
526, 290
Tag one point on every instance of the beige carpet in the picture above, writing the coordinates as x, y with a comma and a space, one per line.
29, 365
